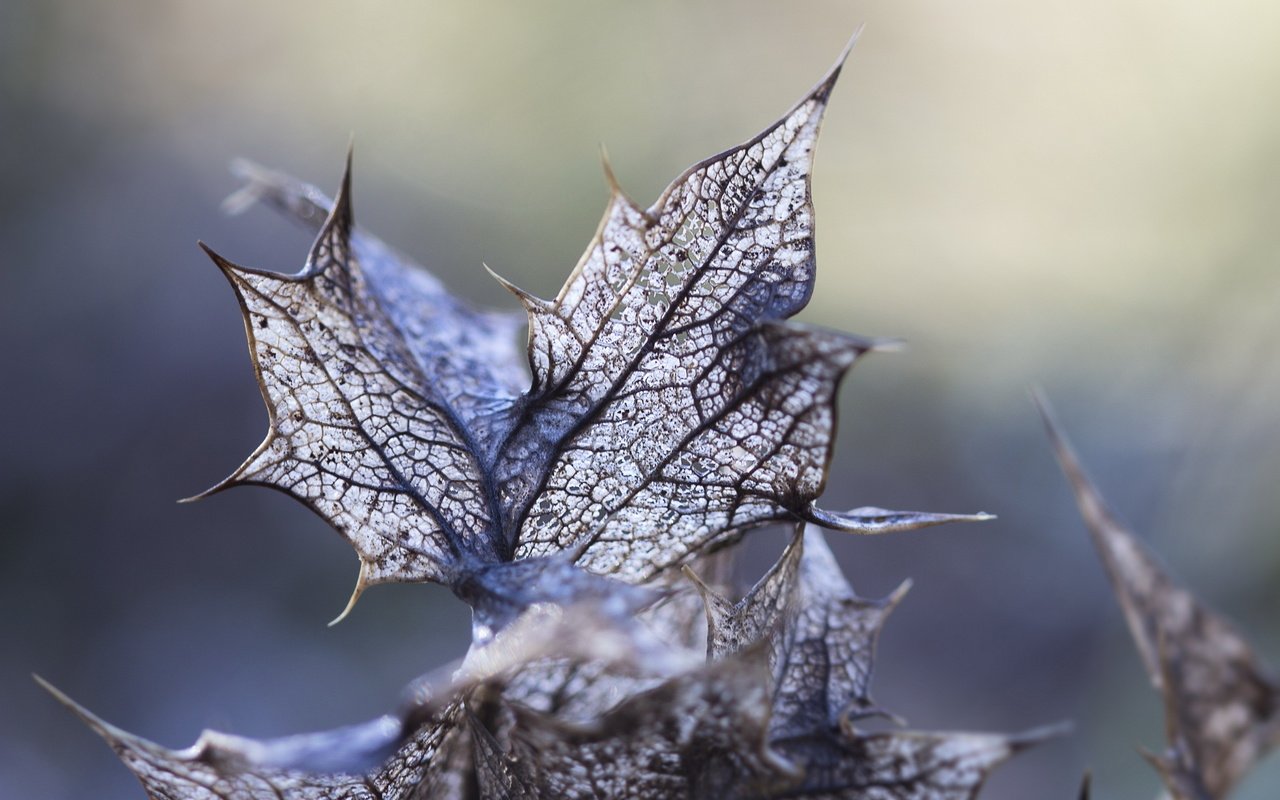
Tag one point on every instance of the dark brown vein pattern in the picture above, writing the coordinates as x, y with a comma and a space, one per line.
1222, 707
660, 292
358, 432
671, 405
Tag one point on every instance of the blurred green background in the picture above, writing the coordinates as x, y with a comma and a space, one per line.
1078, 195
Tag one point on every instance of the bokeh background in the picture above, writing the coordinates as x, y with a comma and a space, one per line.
1079, 195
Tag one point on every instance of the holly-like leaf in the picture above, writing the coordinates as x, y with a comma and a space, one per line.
667, 407
671, 405
1222, 707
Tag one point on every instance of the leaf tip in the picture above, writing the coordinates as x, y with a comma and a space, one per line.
895, 597
610, 178
341, 215
530, 301
1021, 741
231, 480
97, 724
1085, 786
871, 520
221, 263
362, 583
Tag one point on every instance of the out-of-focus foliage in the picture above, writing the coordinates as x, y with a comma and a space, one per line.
1078, 195
1221, 705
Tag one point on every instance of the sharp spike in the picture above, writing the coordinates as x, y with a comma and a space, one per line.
895, 597
530, 301
221, 263
1021, 741
610, 178
223, 485
870, 520
362, 583
341, 214
99, 725
698, 583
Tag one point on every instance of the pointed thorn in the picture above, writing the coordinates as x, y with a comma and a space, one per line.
871, 520
97, 724
610, 179
692, 575
530, 301
886, 345
362, 583
708, 594
220, 262
1092, 507
823, 89
895, 597
231, 480
341, 213
1085, 784
1026, 739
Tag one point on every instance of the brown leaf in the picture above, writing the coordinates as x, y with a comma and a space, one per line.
1222, 708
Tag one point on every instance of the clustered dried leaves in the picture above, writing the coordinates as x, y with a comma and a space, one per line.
589, 519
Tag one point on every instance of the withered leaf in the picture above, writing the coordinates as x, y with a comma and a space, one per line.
671, 404
1222, 707
222, 767
821, 642
823, 636
668, 405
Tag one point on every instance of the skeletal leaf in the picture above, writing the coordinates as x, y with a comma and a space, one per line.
823, 636
701, 734
821, 639
1222, 707
671, 404
664, 406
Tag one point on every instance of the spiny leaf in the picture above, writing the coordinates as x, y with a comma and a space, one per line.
672, 406
1222, 707
222, 767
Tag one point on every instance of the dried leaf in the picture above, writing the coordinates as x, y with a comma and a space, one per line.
1222, 708
671, 407
701, 734
222, 767
822, 634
